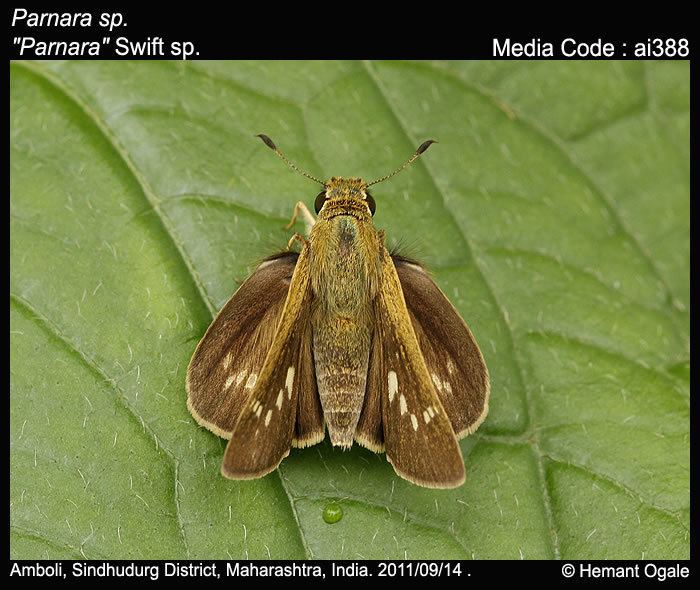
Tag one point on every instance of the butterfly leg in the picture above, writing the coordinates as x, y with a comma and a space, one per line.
309, 219
296, 238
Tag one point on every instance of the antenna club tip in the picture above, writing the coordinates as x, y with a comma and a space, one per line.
424, 146
267, 141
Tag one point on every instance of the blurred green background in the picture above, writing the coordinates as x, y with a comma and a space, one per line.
554, 212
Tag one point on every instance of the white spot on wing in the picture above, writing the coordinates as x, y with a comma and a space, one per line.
414, 421
431, 412
426, 416
229, 380
227, 360
447, 386
393, 385
252, 378
267, 417
258, 411
404, 407
290, 381
241, 376
437, 381
280, 397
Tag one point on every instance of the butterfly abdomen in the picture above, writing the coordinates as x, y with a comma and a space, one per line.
341, 355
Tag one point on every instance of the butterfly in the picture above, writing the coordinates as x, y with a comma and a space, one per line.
341, 337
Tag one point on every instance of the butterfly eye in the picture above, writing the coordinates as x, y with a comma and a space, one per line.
318, 203
371, 204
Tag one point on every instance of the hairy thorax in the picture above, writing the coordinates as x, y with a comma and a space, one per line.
344, 278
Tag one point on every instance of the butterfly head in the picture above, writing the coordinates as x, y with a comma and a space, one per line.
344, 196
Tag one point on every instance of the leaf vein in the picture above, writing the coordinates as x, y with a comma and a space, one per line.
120, 397
558, 143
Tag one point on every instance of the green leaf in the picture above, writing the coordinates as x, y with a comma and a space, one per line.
554, 213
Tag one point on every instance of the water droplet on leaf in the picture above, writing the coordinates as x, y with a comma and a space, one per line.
332, 513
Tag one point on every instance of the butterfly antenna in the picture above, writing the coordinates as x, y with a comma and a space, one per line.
421, 148
271, 144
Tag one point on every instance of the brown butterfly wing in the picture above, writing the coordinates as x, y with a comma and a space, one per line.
310, 427
369, 431
230, 356
454, 361
418, 435
265, 430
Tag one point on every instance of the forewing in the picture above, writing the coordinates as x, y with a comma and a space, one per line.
263, 435
230, 356
369, 432
418, 435
310, 427
453, 358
